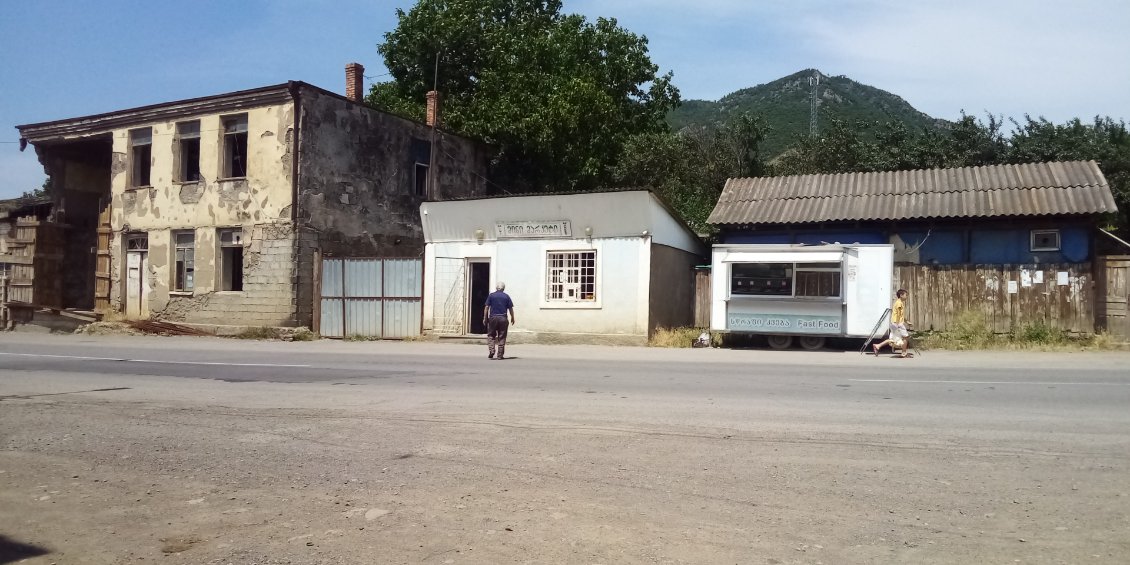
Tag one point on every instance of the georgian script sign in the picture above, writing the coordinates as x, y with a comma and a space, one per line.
558, 228
783, 323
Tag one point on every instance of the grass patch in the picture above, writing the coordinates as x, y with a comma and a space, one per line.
265, 332
971, 331
680, 337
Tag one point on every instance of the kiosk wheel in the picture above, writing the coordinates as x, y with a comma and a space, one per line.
780, 341
812, 342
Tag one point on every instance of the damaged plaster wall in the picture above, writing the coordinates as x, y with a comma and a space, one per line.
259, 204
356, 182
357, 189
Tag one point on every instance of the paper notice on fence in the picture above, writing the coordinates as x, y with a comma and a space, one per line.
1012, 287
1025, 278
1061, 278
1038, 277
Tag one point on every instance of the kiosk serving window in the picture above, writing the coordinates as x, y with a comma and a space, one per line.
810, 280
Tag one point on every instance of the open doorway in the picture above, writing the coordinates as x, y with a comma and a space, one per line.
478, 288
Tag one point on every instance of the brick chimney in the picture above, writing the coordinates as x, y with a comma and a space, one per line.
354, 81
434, 112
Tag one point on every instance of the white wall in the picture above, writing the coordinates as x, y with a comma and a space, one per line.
623, 265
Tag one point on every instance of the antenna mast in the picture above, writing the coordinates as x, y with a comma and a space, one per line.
813, 107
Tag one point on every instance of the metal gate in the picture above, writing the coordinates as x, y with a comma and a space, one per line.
371, 297
449, 303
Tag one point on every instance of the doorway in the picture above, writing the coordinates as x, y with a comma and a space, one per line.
478, 288
137, 277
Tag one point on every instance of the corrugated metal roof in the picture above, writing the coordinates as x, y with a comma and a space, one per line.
1036, 189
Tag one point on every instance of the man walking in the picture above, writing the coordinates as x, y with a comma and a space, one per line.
494, 316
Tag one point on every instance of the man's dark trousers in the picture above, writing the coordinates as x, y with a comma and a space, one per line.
496, 335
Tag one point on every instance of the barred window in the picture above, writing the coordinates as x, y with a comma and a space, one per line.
571, 276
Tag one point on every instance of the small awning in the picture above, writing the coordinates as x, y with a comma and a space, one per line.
783, 257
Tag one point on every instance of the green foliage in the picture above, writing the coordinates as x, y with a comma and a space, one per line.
688, 169
865, 147
556, 95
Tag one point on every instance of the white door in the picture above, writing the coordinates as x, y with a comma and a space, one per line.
137, 285
868, 272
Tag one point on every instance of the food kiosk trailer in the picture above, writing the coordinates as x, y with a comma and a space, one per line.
802, 292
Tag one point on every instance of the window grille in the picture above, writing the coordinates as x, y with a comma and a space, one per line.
571, 276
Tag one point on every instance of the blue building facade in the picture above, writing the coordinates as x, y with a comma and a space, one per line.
1043, 241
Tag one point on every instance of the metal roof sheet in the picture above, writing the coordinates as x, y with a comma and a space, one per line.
1035, 189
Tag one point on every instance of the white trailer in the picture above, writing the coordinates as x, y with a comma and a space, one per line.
810, 292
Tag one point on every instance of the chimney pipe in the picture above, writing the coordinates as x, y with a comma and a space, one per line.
434, 112
354, 81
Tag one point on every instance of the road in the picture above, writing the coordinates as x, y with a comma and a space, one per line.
195, 450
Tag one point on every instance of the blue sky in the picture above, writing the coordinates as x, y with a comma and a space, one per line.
1056, 59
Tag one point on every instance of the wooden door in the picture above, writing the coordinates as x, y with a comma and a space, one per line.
1113, 296
102, 260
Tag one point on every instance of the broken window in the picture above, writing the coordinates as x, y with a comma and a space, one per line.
141, 153
572, 276
421, 180
421, 158
185, 264
188, 145
235, 146
231, 259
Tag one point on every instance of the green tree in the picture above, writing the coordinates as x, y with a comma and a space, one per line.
688, 169
556, 95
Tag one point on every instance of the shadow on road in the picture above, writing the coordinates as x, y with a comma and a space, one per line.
12, 551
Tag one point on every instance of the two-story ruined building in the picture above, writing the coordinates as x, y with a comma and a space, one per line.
217, 210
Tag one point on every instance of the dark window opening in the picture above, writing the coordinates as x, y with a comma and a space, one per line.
235, 147
141, 153
231, 260
421, 180
762, 279
188, 134
1045, 240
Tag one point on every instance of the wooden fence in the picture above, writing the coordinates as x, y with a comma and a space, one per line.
1010, 297
1112, 308
1060, 296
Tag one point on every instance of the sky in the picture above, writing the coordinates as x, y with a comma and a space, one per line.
1051, 58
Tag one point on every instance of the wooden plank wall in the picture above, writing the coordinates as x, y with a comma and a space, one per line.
941, 293
702, 298
1112, 310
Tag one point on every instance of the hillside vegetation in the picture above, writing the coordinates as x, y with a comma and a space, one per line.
784, 104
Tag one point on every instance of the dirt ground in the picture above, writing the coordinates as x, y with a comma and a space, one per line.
423, 469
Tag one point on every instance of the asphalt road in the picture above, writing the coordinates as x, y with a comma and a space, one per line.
210, 450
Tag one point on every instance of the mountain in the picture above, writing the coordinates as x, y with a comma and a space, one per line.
786, 102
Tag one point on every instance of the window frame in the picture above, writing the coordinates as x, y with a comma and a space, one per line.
185, 134
1032, 240
134, 162
794, 268
227, 168
416, 186
548, 252
222, 262
187, 283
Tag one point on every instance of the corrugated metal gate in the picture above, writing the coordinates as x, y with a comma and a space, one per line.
371, 297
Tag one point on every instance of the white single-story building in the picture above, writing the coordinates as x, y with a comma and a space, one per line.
594, 265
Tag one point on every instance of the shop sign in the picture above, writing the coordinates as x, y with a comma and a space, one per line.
784, 323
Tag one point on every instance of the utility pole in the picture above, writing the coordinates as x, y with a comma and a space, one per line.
814, 106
